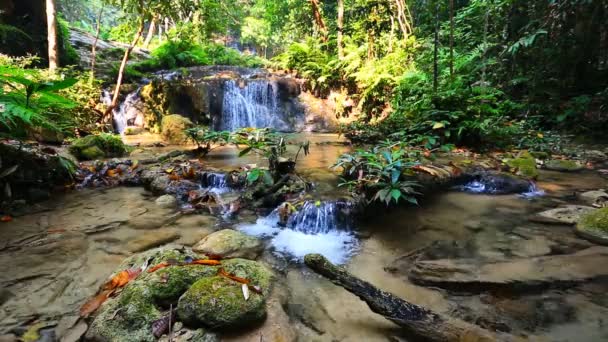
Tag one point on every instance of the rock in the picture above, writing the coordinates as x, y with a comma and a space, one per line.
595, 156
74, 334
230, 244
597, 197
128, 316
525, 165
515, 275
218, 302
593, 226
563, 165
99, 146
172, 128
46, 135
569, 214
166, 202
152, 239
497, 183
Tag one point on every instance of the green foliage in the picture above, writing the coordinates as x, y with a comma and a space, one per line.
206, 140
30, 99
381, 174
67, 53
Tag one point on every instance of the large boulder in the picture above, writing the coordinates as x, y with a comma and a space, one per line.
99, 146
172, 128
218, 302
230, 244
594, 226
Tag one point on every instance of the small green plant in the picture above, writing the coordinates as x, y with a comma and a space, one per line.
207, 140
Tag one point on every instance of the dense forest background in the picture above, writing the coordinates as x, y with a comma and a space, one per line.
497, 72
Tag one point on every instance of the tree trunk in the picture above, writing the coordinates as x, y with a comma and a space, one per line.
51, 21
123, 65
150, 34
340, 37
419, 322
316, 12
452, 39
94, 48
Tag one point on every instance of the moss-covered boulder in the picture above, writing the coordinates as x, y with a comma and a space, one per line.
594, 226
99, 146
524, 165
563, 165
129, 316
219, 303
172, 128
230, 244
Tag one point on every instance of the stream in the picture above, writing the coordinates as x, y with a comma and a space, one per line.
54, 259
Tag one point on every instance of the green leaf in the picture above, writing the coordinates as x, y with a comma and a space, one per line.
245, 151
395, 174
253, 175
438, 125
396, 194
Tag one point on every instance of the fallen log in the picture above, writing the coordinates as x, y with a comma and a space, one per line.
419, 322
519, 275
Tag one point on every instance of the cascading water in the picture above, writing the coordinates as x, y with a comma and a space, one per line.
252, 105
315, 228
215, 182
493, 184
128, 113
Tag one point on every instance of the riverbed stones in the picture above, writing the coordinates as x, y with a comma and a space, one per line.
594, 226
568, 214
172, 128
166, 202
563, 165
524, 165
218, 302
595, 197
230, 244
152, 239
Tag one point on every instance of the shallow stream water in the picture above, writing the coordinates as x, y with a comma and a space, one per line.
52, 260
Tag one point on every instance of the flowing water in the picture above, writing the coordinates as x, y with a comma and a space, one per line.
54, 259
128, 113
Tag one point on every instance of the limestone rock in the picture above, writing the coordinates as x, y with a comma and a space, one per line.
152, 239
230, 244
597, 197
594, 226
218, 302
569, 214
563, 165
172, 128
166, 201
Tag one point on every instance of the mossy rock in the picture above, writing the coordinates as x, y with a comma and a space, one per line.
563, 165
99, 146
230, 244
172, 128
525, 165
594, 226
218, 302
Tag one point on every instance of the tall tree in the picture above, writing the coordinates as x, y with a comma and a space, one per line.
94, 48
150, 34
316, 12
51, 22
340, 36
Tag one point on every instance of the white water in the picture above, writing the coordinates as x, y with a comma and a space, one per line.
215, 182
313, 229
252, 105
128, 113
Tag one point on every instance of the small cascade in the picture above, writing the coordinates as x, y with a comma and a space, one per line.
498, 184
215, 182
129, 112
315, 228
253, 104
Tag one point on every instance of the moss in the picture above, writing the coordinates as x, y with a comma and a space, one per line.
594, 226
525, 165
98, 146
218, 302
172, 128
168, 284
563, 165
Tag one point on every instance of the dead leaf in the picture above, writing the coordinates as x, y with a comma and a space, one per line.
245, 290
158, 267
163, 324
122, 278
223, 272
207, 262
93, 304
6, 218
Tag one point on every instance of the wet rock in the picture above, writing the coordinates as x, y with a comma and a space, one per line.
100, 146
160, 184
152, 239
595, 156
74, 334
593, 226
524, 165
230, 244
166, 202
218, 302
569, 214
495, 183
595, 197
563, 165
172, 128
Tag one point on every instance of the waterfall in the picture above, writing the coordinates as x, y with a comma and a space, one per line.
316, 227
215, 182
252, 105
128, 113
